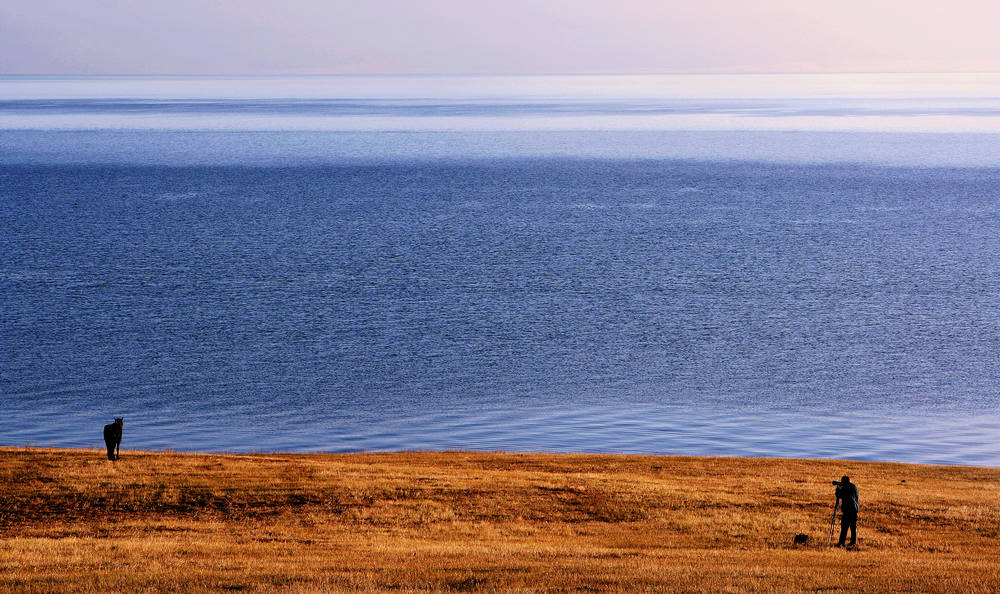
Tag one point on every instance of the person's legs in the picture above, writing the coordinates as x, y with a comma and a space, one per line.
848, 521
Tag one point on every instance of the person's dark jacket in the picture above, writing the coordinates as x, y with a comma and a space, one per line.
847, 493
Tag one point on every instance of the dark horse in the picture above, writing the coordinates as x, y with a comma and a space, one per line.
113, 438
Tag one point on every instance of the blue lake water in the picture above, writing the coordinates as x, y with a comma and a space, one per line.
557, 264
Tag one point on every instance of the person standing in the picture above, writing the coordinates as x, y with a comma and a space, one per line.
850, 504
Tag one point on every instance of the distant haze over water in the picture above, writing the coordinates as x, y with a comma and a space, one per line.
787, 265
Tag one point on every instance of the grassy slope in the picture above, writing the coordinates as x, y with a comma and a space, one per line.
493, 522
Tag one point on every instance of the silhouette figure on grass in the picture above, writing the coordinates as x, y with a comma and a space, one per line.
847, 496
113, 438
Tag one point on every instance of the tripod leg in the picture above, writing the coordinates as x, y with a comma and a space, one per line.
833, 520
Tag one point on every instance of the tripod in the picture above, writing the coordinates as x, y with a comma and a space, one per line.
833, 519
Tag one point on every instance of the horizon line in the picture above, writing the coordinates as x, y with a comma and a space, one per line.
498, 74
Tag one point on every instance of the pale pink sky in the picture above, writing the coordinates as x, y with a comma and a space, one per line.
496, 36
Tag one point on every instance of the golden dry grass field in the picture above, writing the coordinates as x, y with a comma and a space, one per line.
73, 521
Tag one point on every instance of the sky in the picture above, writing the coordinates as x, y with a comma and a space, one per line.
496, 37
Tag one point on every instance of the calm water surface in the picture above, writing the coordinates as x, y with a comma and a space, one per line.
604, 290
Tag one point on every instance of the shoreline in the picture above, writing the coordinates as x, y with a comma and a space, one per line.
461, 452
71, 520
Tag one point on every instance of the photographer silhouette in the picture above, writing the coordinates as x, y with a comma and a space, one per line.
850, 504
